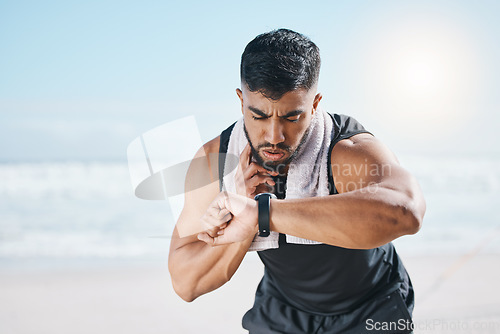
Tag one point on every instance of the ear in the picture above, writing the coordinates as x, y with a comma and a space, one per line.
316, 101
240, 95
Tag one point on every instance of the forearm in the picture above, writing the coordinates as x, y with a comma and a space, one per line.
364, 218
197, 268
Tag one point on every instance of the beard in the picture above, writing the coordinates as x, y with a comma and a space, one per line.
273, 165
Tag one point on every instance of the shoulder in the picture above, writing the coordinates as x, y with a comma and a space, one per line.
208, 150
211, 150
208, 157
359, 160
361, 146
211, 147
203, 168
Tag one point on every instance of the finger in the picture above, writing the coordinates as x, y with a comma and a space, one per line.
263, 188
254, 168
205, 238
211, 225
220, 240
245, 156
224, 215
217, 212
221, 227
227, 219
212, 232
210, 229
209, 221
263, 169
257, 181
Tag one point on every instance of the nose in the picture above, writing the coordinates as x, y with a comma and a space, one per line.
274, 133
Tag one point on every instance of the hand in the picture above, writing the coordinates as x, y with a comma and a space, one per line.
215, 218
230, 218
252, 179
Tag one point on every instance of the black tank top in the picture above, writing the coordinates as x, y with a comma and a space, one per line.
325, 279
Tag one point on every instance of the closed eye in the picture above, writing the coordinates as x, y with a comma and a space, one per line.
257, 114
293, 119
293, 116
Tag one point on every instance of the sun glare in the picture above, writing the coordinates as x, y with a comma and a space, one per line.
420, 75
420, 79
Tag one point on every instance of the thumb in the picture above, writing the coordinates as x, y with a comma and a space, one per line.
203, 236
220, 240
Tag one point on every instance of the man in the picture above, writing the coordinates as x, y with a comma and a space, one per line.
342, 197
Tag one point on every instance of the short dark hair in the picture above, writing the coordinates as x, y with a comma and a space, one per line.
278, 62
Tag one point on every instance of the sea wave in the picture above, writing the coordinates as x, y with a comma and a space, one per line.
73, 209
70, 180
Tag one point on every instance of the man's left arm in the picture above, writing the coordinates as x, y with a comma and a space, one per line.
378, 200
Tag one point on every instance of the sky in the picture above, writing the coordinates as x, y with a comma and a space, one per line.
80, 80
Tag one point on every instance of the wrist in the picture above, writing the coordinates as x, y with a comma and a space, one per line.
275, 203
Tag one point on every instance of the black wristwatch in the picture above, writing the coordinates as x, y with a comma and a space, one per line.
264, 206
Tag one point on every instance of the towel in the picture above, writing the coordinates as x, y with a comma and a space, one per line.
307, 173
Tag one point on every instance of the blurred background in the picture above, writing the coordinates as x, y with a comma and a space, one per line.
80, 80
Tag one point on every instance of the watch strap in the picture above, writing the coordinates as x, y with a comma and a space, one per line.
264, 207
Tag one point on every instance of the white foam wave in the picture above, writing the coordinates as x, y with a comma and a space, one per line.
72, 180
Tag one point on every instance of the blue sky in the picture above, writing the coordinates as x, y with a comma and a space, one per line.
81, 80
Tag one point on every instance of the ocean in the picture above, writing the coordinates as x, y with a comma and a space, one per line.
69, 211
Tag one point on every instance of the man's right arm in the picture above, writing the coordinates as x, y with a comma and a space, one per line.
195, 267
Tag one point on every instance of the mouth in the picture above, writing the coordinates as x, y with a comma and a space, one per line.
273, 155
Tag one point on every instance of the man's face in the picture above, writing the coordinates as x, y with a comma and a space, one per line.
276, 129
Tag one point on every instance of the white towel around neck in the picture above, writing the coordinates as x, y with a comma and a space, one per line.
307, 173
